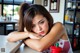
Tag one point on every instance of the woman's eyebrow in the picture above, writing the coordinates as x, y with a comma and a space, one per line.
41, 20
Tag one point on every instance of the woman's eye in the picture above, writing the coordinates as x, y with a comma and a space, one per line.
42, 22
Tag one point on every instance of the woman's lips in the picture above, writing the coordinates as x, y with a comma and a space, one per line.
41, 32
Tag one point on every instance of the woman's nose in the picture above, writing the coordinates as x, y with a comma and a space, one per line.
39, 28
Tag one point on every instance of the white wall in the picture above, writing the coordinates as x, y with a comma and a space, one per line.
38, 2
0, 9
58, 17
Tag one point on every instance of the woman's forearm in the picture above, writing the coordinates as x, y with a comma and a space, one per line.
34, 44
15, 36
47, 40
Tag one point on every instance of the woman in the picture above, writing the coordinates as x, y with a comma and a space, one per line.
37, 27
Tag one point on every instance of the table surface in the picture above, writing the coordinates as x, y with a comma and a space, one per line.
14, 47
8, 47
26, 49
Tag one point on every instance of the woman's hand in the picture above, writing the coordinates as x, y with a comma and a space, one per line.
33, 35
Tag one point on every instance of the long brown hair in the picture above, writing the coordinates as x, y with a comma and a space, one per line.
22, 10
32, 12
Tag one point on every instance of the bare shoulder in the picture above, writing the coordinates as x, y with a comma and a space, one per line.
57, 28
58, 25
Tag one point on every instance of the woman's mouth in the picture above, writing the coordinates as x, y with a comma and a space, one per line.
42, 32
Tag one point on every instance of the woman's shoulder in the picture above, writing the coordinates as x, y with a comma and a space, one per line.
57, 24
58, 27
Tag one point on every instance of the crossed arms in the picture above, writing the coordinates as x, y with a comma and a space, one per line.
37, 42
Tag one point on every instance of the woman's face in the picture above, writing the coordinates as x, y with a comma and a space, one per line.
40, 25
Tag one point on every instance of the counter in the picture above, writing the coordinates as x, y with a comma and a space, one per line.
8, 47
14, 47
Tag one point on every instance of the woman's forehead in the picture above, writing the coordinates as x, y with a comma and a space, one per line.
37, 18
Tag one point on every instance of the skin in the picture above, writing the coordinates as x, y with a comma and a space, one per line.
56, 33
42, 40
40, 25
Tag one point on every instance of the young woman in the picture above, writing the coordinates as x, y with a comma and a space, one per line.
38, 31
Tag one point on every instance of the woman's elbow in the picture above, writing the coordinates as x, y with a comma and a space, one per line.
10, 39
40, 49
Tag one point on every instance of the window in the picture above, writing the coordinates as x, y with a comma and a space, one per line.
11, 10
18, 1
8, 1
7, 9
0, 1
16, 8
11, 7
29, 1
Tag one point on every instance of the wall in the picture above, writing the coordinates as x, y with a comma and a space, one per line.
0, 9
58, 17
38, 2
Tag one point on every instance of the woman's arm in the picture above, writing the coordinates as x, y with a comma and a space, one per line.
41, 44
15, 36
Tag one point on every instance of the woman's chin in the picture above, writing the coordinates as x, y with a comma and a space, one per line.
42, 34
